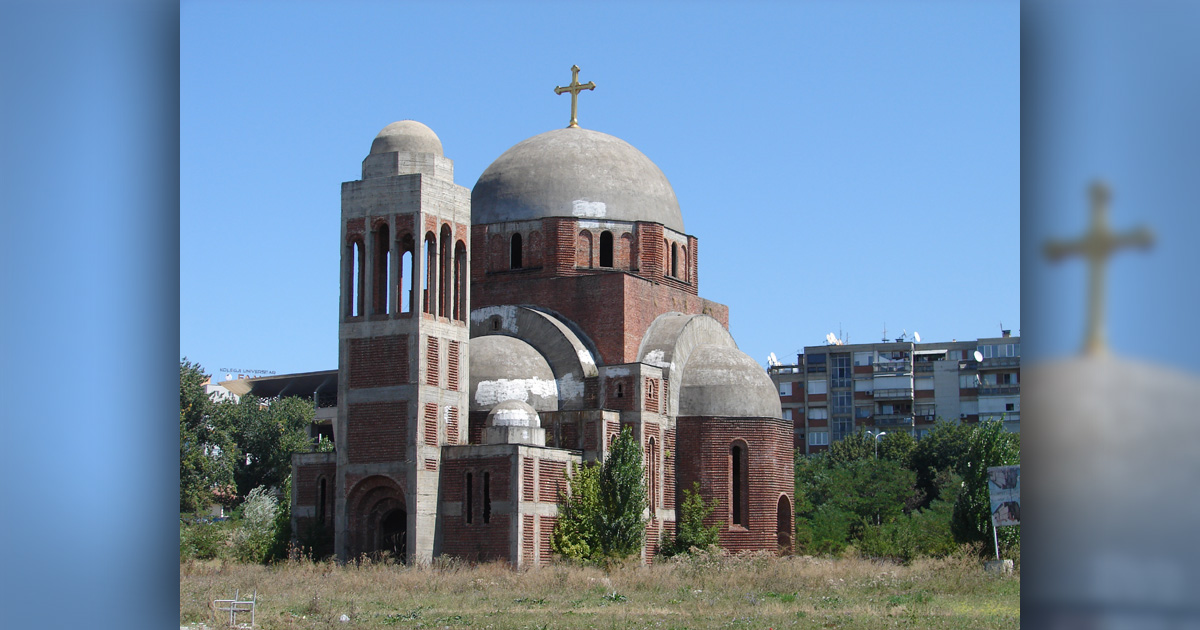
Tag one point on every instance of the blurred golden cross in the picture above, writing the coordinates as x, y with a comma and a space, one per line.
1097, 245
575, 88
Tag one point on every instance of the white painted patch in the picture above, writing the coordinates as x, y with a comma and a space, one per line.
514, 418
617, 371
655, 358
569, 388
585, 359
590, 209
598, 225
492, 393
507, 314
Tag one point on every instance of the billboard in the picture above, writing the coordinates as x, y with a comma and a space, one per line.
1004, 488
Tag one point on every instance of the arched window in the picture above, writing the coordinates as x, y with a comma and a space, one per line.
606, 249
684, 268
445, 280
429, 278
460, 281
666, 257
652, 477
514, 252
355, 293
739, 484
674, 260
783, 524
405, 281
381, 283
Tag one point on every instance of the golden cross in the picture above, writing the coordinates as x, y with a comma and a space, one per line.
1097, 245
575, 88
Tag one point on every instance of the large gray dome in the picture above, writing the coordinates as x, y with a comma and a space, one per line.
577, 173
506, 368
719, 381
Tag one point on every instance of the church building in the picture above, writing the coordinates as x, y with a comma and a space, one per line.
491, 339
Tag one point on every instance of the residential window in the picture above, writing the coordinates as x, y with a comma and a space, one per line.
787, 414
864, 358
818, 413
842, 427
818, 438
785, 389
816, 387
841, 403
862, 412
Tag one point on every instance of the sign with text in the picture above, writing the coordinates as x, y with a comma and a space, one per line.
1004, 488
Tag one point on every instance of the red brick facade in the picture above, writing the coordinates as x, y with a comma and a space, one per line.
705, 445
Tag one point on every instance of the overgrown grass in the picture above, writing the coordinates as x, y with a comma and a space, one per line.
705, 591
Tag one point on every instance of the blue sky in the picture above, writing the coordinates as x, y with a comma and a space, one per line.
845, 166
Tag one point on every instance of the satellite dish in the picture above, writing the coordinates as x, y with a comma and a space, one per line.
978, 356
917, 336
229, 377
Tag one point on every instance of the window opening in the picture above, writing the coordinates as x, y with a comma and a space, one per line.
738, 464
468, 498
514, 256
429, 278
405, 280
487, 498
606, 249
381, 284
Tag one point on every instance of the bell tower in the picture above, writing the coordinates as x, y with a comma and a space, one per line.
402, 343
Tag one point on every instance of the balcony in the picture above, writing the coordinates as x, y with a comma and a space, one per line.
924, 366
893, 419
904, 392
1000, 362
999, 390
899, 367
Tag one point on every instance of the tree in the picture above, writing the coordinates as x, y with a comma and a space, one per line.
267, 433
692, 530
206, 451
989, 445
575, 532
944, 448
619, 525
857, 445
897, 446
602, 513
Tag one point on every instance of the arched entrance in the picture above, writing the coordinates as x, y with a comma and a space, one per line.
378, 519
393, 532
783, 525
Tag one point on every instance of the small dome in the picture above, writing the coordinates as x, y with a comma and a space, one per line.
506, 368
513, 413
724, 382
574, 173
408, 136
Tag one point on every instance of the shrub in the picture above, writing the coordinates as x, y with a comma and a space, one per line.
619, 524
253, 538
575, 534
692, 531
202, 539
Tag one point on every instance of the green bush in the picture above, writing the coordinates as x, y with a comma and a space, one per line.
202, 539
692, 531
575, 534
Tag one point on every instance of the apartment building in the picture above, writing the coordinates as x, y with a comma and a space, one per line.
833, 390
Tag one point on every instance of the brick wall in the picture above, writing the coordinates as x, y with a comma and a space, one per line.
376, 431
476, 541
704, 456
378, 361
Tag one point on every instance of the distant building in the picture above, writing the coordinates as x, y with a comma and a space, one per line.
833, 390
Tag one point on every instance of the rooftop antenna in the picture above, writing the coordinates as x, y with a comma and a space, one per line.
884, 332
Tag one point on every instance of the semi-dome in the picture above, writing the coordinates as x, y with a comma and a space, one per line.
720, 381
578, 173
506, 368
407, 136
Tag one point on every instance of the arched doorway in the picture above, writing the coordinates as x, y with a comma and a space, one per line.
393, 534
377, 519
783, 525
